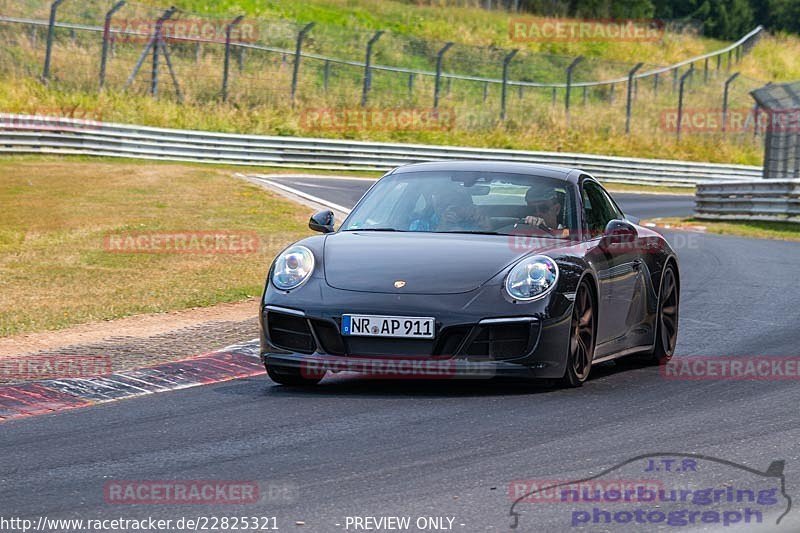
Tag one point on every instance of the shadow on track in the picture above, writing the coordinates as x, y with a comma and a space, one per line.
351, 384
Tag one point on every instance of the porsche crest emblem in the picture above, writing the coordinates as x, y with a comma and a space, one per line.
399, 284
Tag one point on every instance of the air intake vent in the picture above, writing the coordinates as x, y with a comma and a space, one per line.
328, 334
501, 341
290, 332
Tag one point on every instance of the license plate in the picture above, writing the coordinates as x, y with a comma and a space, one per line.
388, 326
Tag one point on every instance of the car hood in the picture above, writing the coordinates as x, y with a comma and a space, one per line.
428, 263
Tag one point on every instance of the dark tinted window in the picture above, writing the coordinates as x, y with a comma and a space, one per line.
598, 208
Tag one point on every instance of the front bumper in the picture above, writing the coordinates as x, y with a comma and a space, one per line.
316, 365
479, 334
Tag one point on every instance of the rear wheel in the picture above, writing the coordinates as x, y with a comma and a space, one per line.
666, 319
582, 337
292, 377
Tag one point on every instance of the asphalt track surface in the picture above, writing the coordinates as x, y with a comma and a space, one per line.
354, 447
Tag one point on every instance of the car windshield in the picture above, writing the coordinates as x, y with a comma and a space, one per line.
467, 202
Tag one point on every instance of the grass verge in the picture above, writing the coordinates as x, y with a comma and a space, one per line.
785, 231
55, 267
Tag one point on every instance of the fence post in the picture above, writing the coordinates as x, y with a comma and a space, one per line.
570, 68
411, 86
655, 84
584, 94
106, 38
719, 61
51, 31
157, 38
506, 60
485, 90
705, 72
368, 68
437, 82
326, 74
725, 100
227, 61
297, 54
756, 111
675, 78
631, 73
680, 99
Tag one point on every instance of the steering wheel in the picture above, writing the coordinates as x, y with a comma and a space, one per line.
532, 229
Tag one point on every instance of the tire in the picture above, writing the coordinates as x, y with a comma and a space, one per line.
291, 377
582, 338
666, 319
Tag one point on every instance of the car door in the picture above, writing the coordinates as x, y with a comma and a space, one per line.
616, 266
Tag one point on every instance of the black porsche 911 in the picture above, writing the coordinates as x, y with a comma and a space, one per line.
471, 269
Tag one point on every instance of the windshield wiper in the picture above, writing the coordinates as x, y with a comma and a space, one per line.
473, 232
373, 229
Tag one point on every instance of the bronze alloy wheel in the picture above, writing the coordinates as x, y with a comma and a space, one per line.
667, 319
582, 338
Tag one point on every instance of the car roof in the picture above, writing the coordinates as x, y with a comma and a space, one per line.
548, 171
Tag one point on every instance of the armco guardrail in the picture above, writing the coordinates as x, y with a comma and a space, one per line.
25, 134
749, 200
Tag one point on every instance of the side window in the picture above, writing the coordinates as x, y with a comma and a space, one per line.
598, 208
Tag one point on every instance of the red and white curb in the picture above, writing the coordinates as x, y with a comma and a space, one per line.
50, 395
657, 224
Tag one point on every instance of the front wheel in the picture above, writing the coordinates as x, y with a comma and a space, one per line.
582, 337
666, 319
291, 377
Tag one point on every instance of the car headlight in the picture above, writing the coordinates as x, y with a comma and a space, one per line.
532, 278
293, 267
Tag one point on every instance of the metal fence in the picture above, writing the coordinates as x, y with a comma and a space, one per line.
93, 45
776, 197
781, 104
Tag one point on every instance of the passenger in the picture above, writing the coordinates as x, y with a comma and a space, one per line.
453, 210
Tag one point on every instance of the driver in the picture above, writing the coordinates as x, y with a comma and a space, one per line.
545, 205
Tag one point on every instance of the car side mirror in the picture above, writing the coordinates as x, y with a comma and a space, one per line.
618, 232
322, 221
